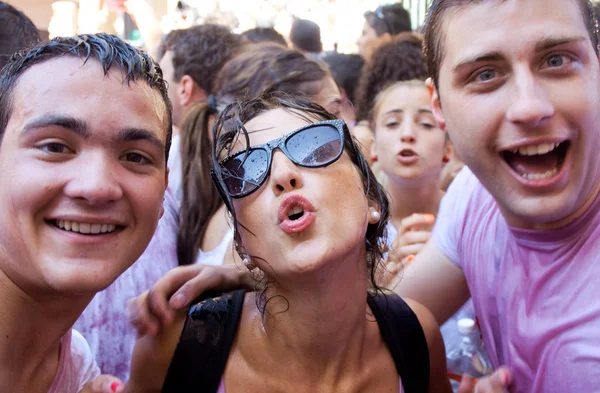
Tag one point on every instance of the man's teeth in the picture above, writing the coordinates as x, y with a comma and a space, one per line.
85, 228
540, 176
535, 150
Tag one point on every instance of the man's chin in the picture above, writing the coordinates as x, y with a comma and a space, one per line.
539, 213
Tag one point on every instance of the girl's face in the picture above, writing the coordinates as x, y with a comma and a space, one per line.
301, 219
408, 144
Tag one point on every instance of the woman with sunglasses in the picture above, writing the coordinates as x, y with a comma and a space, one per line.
381, 26
309, 220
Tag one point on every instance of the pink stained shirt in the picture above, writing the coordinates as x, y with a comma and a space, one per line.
536, 293
76, 366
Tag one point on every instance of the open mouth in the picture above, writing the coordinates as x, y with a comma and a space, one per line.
85, 228
537, 162
295, 213
407, 153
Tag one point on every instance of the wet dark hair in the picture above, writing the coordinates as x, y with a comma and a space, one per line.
392, 19
400, 60
17, 32
264, 34
346, 70
306, 36
435, 36
200, 52
109, 50
260, 68
230, 129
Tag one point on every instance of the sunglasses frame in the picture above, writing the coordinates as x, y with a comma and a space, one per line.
280, 143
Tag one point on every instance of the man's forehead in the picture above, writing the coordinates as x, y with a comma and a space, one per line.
79, 89
508, 25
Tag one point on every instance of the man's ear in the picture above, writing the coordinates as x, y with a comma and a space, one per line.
436, 105
190, 92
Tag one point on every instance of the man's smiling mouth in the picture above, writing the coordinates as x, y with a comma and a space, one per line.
537, 162
85, 228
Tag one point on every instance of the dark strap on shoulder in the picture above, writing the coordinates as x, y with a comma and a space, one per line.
404, 336
203, 349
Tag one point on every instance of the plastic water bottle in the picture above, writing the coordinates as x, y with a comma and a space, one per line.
469, 356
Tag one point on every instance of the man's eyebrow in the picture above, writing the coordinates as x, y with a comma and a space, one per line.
544, 44
492, 56
69, 123
550, 42
140, 134
425, 110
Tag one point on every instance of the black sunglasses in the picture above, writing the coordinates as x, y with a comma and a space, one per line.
312, 146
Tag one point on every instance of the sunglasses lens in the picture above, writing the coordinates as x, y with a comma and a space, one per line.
315, 146
245, 172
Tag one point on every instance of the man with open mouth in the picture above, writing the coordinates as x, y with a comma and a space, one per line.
516, 85
85, 128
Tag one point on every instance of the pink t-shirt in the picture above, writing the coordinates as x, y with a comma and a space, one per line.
536, 293
76, 365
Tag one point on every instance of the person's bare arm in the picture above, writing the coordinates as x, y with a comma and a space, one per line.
155, 309
152, 357
438, 377
432, 280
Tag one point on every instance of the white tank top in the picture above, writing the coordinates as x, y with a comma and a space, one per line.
216, 256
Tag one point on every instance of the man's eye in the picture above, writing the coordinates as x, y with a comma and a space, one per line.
557, 61
55, 148
486, 75
136, 158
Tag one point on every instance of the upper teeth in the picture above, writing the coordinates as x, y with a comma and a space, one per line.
534, 150
85, 228
295, 210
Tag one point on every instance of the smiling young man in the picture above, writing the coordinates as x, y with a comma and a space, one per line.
85, 125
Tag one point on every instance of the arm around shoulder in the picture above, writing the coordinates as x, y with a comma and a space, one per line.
438, 376
152, 357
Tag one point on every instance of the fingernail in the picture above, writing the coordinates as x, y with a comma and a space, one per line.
430, 217
505, 378
409, 259
114, 386
178, 300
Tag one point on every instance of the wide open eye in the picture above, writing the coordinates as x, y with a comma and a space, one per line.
315, 146
245, 171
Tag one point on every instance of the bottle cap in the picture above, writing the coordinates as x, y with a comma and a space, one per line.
466, 326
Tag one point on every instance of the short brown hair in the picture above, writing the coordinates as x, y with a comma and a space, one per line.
200, 52
434, 36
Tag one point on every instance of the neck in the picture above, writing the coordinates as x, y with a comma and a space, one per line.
326, 317
30, 334
413, 196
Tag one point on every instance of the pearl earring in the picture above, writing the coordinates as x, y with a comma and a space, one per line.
375, 216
